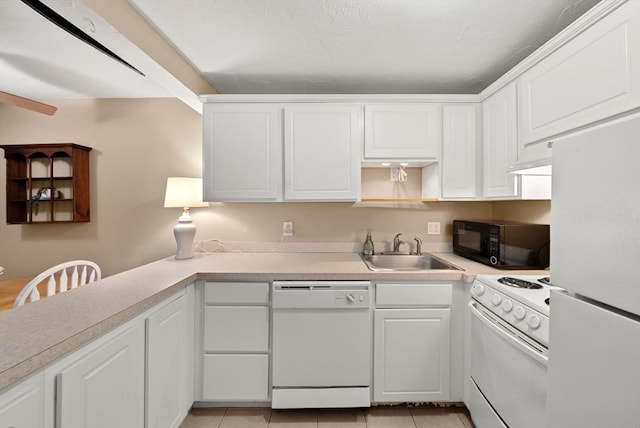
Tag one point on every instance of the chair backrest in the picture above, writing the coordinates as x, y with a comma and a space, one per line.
60, 278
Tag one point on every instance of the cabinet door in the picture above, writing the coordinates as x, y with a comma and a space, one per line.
594, 76
166, 366
236, 329
22, 406
236, 377
500, 139
104, 388
459, 151
242, 152
322, 152
402, 131
411, 355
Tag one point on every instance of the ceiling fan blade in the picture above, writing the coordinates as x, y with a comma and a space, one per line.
67, 26
27, 103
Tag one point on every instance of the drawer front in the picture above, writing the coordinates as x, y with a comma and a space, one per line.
236, 329
217, 293
398, 294
236, 377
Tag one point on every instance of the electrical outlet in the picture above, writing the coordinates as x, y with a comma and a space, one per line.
433, 228
287, 228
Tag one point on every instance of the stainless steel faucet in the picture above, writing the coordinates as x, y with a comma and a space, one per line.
418, 245
396, 243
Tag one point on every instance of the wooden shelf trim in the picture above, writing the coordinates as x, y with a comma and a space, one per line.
399, 200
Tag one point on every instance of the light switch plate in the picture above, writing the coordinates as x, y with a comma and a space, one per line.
287, 228
433, 228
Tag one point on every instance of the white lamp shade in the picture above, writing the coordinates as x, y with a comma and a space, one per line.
184, 192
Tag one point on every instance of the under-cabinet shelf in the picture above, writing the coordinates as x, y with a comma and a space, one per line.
399, 200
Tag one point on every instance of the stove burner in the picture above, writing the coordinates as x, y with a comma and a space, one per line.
518, 283
545, 280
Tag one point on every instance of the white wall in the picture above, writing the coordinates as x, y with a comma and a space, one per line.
137, 144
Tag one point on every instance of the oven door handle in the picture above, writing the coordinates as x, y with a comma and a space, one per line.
524, 347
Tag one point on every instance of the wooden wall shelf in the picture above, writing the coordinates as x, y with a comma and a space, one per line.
63, 167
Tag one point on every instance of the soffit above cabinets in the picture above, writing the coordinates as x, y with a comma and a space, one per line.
277, 46
357, 46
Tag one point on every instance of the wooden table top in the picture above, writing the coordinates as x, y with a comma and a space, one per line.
10, 288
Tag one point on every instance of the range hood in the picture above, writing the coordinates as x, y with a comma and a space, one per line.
538, 167
534, 170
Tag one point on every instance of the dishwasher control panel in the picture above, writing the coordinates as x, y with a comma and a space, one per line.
352, 298
321, 294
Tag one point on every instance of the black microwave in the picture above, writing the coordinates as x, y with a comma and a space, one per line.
503, 245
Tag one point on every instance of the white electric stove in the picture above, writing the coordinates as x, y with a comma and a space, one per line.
520, 300
509, 348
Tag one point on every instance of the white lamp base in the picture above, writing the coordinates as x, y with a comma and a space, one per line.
185, 232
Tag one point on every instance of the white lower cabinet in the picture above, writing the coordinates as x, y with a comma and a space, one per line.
236, 377
168, 370
235, 342
411, 343
411, 351
138, 374
23, 405
102, 385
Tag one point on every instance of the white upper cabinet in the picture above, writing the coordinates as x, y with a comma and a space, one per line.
322, 144
402, 131
459, 151
500, 141
594, 76
242, 152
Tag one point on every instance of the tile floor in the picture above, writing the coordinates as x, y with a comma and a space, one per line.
374, 417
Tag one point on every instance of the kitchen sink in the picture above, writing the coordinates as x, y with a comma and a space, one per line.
392, 262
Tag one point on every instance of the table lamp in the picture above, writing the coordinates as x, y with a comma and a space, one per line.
184, 193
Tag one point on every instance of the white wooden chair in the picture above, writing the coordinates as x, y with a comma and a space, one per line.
60, 278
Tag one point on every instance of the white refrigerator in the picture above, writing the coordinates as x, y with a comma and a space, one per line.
594, 345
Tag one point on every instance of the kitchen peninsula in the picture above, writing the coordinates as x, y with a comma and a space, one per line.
38, 335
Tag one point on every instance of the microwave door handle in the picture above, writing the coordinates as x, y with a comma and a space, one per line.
532, 352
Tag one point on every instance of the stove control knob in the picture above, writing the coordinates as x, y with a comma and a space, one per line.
534, 322
496, 299
519, 313
478, 289
350, 298
507, 305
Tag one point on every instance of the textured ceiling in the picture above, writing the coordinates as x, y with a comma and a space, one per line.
357, 46
287, 46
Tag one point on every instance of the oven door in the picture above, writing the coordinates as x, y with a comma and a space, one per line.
508, 373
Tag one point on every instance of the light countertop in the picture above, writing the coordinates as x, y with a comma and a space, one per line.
36, 334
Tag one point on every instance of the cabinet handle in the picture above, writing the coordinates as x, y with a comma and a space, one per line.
58, 401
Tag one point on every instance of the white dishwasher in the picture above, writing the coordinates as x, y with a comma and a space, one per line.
321, 344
